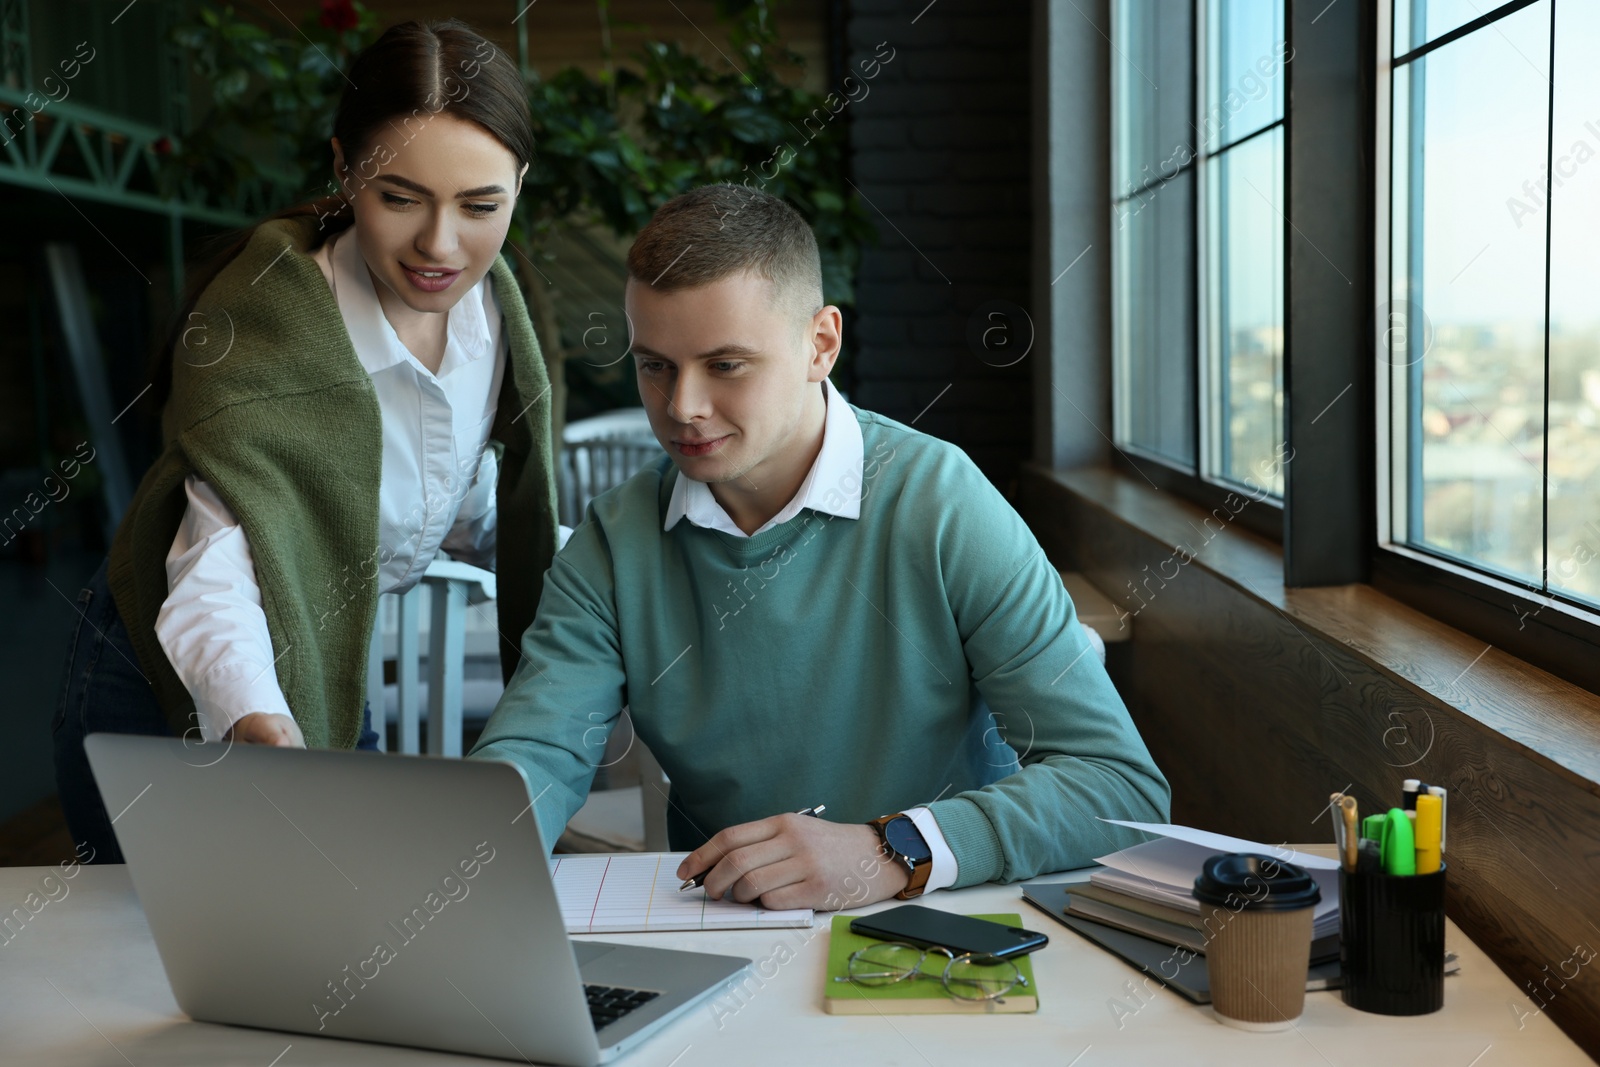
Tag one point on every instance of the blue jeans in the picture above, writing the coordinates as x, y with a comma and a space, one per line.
104, 690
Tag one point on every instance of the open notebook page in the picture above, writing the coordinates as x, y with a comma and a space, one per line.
612, 894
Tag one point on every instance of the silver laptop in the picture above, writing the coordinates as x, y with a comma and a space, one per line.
399, 899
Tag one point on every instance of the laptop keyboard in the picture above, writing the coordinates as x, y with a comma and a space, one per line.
607, 1004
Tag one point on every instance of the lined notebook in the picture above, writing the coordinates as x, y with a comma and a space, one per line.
637, 891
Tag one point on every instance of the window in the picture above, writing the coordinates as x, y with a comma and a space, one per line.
1385, 269
1490, 400
1197, 232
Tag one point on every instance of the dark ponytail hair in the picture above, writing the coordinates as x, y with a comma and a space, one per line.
414, 71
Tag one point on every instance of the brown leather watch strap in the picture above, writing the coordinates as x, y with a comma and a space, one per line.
919, 880
918, 872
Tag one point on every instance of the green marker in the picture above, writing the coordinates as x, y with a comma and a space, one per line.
1372, 828
1399, 846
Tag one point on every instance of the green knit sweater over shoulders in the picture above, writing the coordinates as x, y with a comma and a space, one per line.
924, 653
281, 418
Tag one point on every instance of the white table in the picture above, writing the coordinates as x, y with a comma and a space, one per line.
81, 984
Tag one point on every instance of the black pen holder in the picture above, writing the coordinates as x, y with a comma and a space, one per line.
1391, 946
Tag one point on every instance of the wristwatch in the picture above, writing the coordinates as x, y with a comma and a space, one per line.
906, 846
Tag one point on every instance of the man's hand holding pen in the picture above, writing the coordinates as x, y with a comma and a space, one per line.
796, 861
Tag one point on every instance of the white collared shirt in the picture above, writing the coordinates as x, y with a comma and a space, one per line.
832, 486
437, 491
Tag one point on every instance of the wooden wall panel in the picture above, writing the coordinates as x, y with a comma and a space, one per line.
565, 33
1257, 702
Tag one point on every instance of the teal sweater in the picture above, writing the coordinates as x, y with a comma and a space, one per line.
846, 662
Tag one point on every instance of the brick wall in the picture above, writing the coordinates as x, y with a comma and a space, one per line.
940, 152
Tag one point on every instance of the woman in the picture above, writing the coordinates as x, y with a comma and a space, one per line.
356, 387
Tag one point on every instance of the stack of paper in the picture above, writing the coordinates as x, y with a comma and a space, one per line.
1164, 871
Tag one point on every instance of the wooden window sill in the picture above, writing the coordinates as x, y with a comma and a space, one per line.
1549, 719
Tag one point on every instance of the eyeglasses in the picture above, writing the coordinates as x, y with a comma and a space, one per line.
970, 976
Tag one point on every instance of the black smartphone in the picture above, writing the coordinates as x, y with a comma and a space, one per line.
927, 928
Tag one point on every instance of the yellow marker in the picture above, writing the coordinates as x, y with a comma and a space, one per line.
1429, 824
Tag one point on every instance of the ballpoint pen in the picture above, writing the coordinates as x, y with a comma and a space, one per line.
700, 879
1335, 805
1444, 814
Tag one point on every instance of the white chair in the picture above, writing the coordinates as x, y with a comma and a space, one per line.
452, 586
601, 452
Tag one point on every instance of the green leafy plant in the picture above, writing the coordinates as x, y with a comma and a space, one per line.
272, 100
613, 149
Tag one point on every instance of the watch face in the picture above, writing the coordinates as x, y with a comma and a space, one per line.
904, 837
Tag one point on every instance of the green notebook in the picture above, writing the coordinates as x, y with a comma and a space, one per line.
914, 996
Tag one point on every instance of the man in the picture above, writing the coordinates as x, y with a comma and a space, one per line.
807, 603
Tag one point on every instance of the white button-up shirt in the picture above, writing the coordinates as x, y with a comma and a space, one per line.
437, 491
833, 487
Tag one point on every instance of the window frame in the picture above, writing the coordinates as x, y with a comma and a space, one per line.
1210, 491
1543, 628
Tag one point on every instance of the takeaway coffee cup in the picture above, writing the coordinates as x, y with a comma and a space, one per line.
1257, 914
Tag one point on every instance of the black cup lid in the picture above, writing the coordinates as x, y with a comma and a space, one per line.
1260, 883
